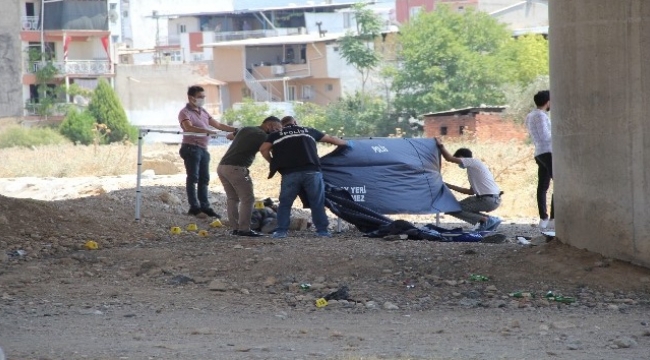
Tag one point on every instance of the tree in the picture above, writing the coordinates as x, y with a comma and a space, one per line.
250, 113
451, 60
312, 115
520, 98
529, 59
357, 48
49, 92
78, 126
357, 115
106, 108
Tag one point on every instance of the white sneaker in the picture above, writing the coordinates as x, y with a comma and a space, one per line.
543, 223
551, 224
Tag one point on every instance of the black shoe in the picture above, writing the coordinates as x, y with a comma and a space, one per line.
194, 211
210, 213
249, 233
234, 232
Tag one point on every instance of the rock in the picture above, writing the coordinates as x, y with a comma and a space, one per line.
562, 325
244, 291
390, 306
201, 331
217, 285
625, 342
451, 282
574, 344
270, 281
491, 288
169, 198
238, 246
148, 174
612, 307
282, 315
180, 280
515, 324
371, 305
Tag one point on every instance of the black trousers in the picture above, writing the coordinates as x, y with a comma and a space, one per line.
544, 176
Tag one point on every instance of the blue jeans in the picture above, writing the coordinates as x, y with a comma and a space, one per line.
197, 168
312, 183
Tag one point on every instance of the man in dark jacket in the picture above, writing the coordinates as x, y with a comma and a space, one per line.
292, 152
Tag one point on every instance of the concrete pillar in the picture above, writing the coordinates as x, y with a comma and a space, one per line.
11, 89
600, 101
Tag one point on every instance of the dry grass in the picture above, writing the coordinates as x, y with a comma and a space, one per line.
511, 163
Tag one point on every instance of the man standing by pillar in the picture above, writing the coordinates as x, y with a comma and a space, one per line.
194, 150
235, 177
539, 128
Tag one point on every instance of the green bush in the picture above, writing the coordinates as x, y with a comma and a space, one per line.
27, 137
106, 108
78, 126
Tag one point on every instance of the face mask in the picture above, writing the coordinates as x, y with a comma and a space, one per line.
199, 102
461, 166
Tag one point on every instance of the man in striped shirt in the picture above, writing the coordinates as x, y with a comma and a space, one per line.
539, 128
486, 193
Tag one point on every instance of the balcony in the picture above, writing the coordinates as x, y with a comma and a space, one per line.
30, 23
220, 36
76, 67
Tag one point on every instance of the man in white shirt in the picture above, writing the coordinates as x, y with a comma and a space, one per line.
539, 128
486, 193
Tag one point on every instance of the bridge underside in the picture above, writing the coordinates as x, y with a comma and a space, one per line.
600, 90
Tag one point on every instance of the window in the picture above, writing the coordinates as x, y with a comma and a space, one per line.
460, 9
176, 56
291, 93
182, 28
29, 9
115, 39
347, 23
461, 129
414, 11
307, 92
329, 87
113, 6
443, 130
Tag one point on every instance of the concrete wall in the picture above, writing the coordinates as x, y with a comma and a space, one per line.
153, 95
11, 103
600, 96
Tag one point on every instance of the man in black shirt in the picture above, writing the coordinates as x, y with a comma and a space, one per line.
292, 151
235, 177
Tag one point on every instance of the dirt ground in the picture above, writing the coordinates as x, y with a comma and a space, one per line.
148, 294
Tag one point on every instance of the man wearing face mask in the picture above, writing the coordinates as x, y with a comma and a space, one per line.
194, 150
235, 177
486, 193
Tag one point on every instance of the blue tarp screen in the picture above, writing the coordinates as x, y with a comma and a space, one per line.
391, 175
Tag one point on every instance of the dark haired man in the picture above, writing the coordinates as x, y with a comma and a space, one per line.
194, 150
295, 156
539, 128
486, 193
235, 177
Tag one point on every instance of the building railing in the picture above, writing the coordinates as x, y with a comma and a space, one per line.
77, 67
220, 36
30, 23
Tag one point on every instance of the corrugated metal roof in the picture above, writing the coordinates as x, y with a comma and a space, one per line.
277, 40
468, 110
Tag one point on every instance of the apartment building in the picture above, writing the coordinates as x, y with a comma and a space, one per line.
277, 54
72, 35
522, 16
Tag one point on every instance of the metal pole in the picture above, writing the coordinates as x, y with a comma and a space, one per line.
43, 31
138, 192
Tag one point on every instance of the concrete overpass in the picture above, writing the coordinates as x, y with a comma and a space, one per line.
600, 91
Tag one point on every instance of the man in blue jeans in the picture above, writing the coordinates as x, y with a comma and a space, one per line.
292, 152
194, 150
